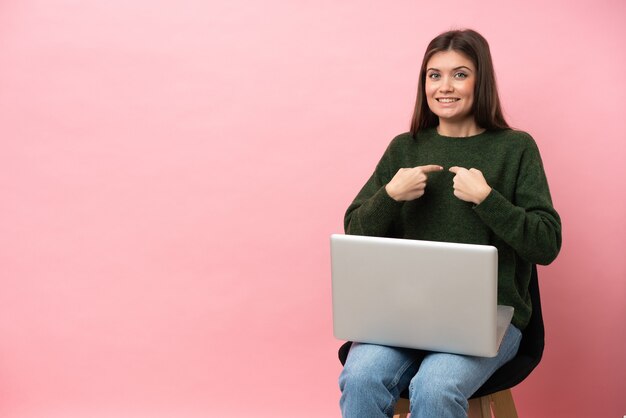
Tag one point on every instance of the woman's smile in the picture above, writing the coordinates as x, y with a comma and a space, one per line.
447, 99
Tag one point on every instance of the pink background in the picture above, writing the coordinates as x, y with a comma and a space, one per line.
170, 172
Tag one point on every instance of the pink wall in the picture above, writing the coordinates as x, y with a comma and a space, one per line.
171, 170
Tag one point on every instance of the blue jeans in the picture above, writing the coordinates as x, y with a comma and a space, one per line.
439, 383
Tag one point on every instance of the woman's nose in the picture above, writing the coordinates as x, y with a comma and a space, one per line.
446, 85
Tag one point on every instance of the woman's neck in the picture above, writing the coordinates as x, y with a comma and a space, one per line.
459, 129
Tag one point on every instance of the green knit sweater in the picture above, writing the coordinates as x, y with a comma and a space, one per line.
517, 217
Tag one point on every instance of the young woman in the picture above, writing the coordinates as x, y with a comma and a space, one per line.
460, 175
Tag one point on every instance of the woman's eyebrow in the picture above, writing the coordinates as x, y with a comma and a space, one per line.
454, 69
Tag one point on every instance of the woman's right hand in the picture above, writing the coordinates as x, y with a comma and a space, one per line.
409, 183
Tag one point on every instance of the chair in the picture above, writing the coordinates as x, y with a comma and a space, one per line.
495, 395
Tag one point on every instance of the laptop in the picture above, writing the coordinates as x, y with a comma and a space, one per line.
435, 296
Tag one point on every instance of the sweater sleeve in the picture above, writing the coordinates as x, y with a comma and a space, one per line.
372, 212
530, 224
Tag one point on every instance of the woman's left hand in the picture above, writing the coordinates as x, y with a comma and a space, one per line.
470, 185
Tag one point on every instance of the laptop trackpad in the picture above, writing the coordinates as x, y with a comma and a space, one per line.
505, 314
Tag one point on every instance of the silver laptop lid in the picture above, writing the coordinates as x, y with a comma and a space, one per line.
419, 294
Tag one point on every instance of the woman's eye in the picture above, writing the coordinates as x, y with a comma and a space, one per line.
460, 75
433, 76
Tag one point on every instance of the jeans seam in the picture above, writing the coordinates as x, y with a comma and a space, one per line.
399, 374
394, 382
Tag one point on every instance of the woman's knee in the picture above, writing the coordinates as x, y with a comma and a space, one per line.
373, 367
436, 393
356, 375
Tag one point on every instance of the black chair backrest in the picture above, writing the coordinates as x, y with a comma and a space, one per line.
533, 341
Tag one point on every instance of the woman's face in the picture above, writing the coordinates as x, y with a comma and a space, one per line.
450, 79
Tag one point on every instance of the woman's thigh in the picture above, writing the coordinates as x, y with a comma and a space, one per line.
465, 373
